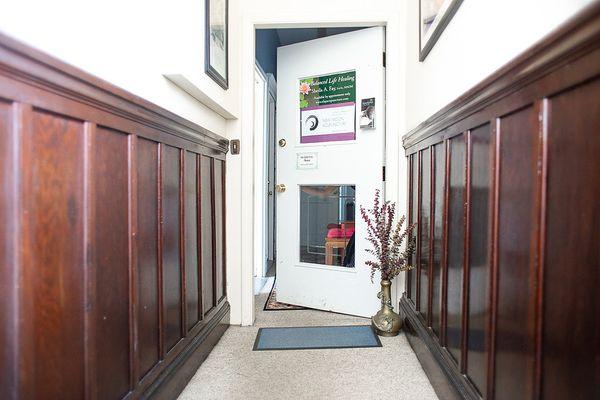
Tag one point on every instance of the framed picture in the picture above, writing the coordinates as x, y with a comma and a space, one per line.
216, 41
434, 15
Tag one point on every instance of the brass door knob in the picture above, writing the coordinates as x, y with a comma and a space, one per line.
280, 188
282, 142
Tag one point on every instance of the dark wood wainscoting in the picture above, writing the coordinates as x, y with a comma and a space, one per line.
112, 210
504, 184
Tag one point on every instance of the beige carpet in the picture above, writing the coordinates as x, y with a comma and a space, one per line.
234, 371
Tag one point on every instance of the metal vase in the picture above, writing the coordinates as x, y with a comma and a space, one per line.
386, 322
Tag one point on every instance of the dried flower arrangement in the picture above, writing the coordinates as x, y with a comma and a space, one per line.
386, 239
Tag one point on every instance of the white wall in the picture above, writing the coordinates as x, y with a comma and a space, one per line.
130, 43
482, 36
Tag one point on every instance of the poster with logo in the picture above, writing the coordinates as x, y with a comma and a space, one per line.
328, 108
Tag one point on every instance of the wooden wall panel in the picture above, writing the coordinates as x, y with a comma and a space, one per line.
414, 201
516, 279
171, 229
147, 244
479, 265
424, 232
109, 183
8, 292
438, 196
96, 251
206, 223
520, 257
191, 240
455, 248
52, 158
218, 229
571, 327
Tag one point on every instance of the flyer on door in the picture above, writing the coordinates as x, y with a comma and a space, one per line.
328, 108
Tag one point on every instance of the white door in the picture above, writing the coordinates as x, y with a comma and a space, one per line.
330, 166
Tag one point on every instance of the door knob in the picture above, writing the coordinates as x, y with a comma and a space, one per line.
280, 188
282, 142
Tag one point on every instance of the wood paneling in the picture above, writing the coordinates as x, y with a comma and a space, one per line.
520, 257
424, 232
171, 272
479, 265
52, 277
571, 300
516, 279
8, 253
111, 264
218, 230
439, 175
191, 240
414, 205
206, 223
99, 279
147, 244
456, 199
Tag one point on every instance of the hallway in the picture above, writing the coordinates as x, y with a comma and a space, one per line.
237, 372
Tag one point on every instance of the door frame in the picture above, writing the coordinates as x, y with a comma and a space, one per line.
240, 283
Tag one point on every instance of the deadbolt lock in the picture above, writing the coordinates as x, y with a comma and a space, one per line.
280, 188
282, 142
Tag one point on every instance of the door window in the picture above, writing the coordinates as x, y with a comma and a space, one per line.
327, 222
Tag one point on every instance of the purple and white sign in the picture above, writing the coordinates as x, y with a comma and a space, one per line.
327, 123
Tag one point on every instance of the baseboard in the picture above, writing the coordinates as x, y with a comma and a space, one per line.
176, 376
446, 379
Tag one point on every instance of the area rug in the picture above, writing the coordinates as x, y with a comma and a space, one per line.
273, 305
316, 337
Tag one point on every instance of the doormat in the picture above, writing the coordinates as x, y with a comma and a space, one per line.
316, 337
273, 305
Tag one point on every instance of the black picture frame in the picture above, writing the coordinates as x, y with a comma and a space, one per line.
445, 19
210, 70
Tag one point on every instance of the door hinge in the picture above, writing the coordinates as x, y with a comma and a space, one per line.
383, 173
384, 59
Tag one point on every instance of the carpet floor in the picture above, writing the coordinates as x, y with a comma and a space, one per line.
234, 371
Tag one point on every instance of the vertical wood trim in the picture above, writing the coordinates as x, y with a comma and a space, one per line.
431, 231
444, 294
407, 283
22, 115
182, 266
133, 262
199, 233
159, 233
543, 111
495, 125
213, 231
10, 272
419, 200
89, 196
223, 228
466, 249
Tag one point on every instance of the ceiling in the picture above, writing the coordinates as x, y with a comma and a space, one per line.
297, 35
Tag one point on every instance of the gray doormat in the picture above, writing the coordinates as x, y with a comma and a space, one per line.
316, 337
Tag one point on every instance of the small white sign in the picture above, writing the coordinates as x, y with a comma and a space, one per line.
306, 161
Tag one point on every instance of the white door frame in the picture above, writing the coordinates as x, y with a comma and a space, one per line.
240, 282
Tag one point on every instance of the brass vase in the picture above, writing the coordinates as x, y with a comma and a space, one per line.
386, 322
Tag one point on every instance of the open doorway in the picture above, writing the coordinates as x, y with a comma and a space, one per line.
265, 141
322, 154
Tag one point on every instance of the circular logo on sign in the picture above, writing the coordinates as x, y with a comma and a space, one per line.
312, 122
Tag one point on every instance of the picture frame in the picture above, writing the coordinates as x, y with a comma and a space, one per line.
434, 16
216, 35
